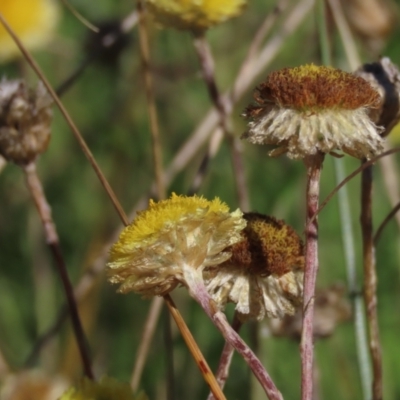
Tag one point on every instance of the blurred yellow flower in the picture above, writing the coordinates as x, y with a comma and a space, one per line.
194, 15
170, 242
106, 389
32, 20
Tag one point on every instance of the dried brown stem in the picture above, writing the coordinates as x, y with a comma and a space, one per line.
151, 105
144, 344
194, 349
370, 282
226, 358
44, 210
314, 165
207, 66
383, 224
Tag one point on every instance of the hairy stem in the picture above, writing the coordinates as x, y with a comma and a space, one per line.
314, 165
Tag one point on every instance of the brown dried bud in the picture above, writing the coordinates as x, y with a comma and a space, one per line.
384, 77
25, 118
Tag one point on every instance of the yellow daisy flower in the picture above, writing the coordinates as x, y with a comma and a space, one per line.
264, 274
194, 15
310, 109
32, 20
171, 242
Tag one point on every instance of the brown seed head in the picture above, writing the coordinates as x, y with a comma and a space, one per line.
25, 118
269, 247
312, 88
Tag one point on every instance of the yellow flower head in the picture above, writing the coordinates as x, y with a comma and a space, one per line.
264, 274
310, 109
32, 20
194, 15
106, 389
171, 236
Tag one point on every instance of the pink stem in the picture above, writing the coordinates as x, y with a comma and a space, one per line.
314, 165
199, 292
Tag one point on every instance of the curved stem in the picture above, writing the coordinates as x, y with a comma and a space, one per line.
52, 240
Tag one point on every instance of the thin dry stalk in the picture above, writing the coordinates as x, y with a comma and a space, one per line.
35, 187
256, 66
207, 65
314, 165
226, 358
383, 224
370, 282
144, 344
348, 41
69, 121
194, 349
151, 105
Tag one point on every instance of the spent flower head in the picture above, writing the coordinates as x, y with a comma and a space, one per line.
25, 119
171, 238
32, 20
106, 389
194, 15
310, 109
264, 274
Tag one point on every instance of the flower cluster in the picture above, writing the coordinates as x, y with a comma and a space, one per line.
310, 109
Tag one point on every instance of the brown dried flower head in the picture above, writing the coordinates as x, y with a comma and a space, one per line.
25, 118
310, 109
264, 274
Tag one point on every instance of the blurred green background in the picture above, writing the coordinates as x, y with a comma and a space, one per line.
108, 104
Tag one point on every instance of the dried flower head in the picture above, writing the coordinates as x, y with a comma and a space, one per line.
310, 109
332, 307
106, 389
171, 237
25, 118
32, 20
264, 274
194, 15
384, 77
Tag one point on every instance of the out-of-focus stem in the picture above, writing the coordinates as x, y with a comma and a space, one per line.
360, 332
151, 105
207, 66
314, 165
370, 282
226, 358
44, 210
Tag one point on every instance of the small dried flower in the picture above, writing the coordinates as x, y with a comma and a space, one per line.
194, 15
310, 109
106, 389
264, 274
32, 20
170, 239
25, 118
